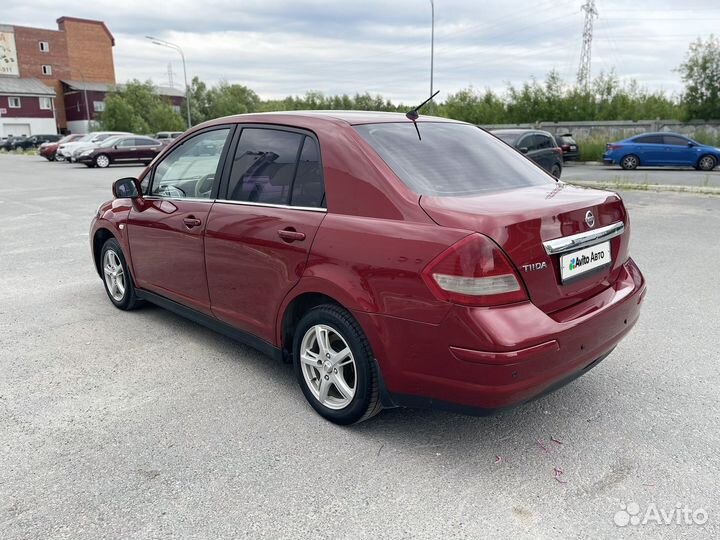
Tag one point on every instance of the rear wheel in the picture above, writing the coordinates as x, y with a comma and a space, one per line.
706, 163
335, 366
630, 162
102, 161
556, 170
116, 277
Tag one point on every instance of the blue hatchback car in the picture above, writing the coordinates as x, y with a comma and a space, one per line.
661, 150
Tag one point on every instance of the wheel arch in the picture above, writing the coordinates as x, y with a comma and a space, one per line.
296, 305
101, 236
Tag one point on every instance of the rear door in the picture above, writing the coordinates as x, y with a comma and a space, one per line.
650, 149
260, 229
166, 228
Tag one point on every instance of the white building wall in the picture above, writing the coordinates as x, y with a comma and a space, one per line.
27, 126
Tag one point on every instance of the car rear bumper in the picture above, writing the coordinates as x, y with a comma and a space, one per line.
482, 359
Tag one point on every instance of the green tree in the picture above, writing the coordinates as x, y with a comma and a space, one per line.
701, 74
137, 108
227, 99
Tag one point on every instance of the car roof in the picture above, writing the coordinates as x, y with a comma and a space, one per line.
519, 131
347, 117
659, 133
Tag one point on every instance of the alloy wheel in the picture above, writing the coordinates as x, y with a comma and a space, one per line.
102, 161
630, 162
114, 275
328, 366
707, 163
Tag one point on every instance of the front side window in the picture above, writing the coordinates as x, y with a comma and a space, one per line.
530, 142
264, 166
45, 104
674, 140
190, 169
14, 102
543, 141
452, 159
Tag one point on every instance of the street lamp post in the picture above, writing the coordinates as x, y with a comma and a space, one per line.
163, 43
432, 47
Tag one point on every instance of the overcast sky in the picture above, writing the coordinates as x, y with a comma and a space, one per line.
283, 47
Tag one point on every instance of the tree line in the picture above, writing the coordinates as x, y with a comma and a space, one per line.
138, 109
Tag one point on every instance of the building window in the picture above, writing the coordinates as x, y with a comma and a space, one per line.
45, 103
14, 102
44, 46
176, 108
98, 106
46, 70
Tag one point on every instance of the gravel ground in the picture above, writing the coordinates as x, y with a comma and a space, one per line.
144, 425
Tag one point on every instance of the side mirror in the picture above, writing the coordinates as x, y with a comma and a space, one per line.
524, 149
691, 143
126, 188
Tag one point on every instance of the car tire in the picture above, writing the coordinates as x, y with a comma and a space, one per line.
102, 161
706, 163
116, 276
630, 162
342, 388
556, 170
51, 157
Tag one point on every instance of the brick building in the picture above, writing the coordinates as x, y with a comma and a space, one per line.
35, 65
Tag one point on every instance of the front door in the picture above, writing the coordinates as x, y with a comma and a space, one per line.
260, 230
166, 228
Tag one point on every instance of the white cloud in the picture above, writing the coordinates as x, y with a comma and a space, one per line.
283, 47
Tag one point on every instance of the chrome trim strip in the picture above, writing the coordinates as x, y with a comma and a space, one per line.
581, 240
270, 205
193, 199
241, 203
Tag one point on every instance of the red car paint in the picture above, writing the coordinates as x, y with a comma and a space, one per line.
369, 253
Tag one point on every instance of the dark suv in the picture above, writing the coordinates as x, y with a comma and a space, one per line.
540, 146
34, 141
569, 147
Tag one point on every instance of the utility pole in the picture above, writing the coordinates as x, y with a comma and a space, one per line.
432, 49
583, 75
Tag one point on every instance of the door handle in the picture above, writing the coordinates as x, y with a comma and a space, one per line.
291, 235
191, 221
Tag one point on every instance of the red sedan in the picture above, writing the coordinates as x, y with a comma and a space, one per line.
393, 263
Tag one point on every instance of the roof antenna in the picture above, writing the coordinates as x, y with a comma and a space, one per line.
413, 115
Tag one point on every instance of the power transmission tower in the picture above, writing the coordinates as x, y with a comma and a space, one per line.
583, 75
170, 74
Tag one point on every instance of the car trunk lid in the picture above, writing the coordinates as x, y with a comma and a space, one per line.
521, 220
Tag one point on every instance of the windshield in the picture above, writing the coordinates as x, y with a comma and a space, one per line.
509, 138
451, 159
110, 142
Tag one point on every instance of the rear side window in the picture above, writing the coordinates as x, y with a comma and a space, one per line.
452, 159
543, 141
264, 166
273, 166
308, 189
650, 139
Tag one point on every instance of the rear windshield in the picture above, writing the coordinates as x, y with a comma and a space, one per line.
566, 139
451, 159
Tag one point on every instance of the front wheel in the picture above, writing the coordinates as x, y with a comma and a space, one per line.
335, 367
102, 161
116, 277
630, 162
707, 163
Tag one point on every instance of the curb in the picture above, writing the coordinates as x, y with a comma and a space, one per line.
658, 188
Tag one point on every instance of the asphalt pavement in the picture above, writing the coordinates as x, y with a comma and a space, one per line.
145, 425
595, 172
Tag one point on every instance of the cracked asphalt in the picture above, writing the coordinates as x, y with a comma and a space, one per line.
145, 425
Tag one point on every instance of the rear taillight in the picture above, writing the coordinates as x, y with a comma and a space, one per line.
612, 146
474, 272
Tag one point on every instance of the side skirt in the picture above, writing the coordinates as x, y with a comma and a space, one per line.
213, 324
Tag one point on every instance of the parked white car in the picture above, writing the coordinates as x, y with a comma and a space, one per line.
91, 140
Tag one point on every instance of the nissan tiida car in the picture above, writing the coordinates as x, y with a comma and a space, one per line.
392, 262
